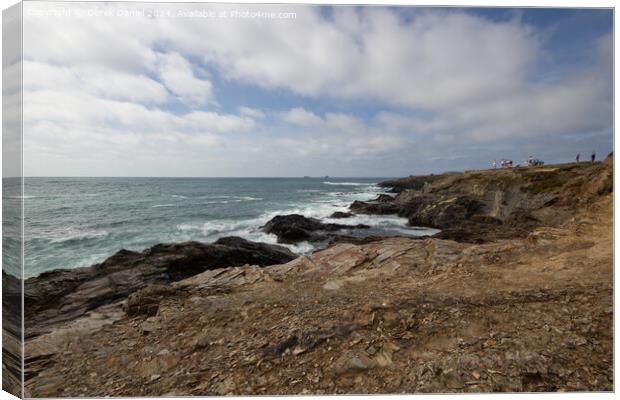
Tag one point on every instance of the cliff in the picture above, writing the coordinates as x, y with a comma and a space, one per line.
515, 294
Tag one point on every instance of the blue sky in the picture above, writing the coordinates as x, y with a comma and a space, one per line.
345, 91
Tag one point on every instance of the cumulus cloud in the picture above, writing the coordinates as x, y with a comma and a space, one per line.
337, 134
96, 80
251, 112
176, 73
299, 116
431, 78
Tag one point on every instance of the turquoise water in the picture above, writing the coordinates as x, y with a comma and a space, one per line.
73, 222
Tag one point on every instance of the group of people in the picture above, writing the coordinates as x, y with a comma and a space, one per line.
592, 157
503, 163
531, 161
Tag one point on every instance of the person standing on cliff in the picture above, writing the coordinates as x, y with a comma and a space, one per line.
577, 158
593, 156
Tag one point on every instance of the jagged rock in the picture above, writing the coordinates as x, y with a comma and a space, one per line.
295, 228
439, 212
371, 207
66, 294
340, 214
352, 363
384, 198
486, 219
410, 183
146, 301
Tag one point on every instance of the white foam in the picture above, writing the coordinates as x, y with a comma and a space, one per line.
163, 205
248, 229
320, 208
76, 234
247, 198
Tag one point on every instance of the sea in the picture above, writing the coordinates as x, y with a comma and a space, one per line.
76, 222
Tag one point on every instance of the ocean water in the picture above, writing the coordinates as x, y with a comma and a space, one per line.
74, 222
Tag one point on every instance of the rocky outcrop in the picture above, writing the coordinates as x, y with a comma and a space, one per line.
425, 210
411, 182
374, 207
296, 228
62, 295
340, 215
480, 206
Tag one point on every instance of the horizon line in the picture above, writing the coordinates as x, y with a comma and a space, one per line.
205, 177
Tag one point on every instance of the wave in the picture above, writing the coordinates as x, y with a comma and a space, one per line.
386, 223
75, 235
246, 198
229, 198
21, 197
249, 229
349, 183
163, 205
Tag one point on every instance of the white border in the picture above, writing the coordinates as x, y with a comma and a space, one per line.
478, 3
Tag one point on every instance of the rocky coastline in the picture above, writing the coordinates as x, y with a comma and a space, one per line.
360, 312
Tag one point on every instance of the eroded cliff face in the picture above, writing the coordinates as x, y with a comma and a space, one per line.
482, 206
531, 312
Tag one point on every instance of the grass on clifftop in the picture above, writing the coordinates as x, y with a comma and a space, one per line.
544, 186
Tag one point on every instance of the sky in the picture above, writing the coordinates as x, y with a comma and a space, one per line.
205, 90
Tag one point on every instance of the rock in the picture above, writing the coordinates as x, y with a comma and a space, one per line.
439, 212
62, 295
486, 219
352, 363
295, 228
357, 363
333, 284
147, 327
200, 344
146, 301
410, 183
340, 214
280, 348
384, 198
482, 206
368, 207
299, 350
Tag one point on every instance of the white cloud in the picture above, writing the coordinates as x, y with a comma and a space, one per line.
216, 122
447, 78
300, 116
437, 59
251, 112
97, 80
176, 73
77, 108
337, 134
